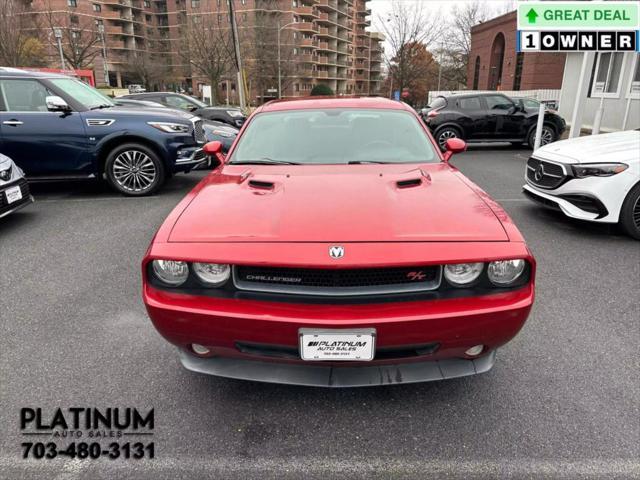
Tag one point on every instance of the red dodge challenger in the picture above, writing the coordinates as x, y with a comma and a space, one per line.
335, 246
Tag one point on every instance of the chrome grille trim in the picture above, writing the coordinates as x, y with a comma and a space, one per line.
198, 131
549, 181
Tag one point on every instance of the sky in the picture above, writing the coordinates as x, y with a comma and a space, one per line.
383, 7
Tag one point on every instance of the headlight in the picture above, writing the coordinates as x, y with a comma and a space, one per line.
171, 272
235, 113
212, 274
598, 169
505, 272
5, 174
462, 274
223, 133
169, 127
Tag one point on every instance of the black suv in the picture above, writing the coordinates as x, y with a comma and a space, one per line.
230, 115
488, 117
58, 128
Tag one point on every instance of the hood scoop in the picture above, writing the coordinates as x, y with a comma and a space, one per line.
411, 182
261, 184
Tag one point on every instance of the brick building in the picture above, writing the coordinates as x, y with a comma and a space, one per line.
494, 63
323, 41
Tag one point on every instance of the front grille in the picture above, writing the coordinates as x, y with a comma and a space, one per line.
315, 281
545, 174
24, 188
198, 131
199, 155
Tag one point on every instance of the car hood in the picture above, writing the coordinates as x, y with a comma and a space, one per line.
149, 113
607, 147
337, 203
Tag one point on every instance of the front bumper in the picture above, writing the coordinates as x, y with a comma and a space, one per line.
336, 377
225, 325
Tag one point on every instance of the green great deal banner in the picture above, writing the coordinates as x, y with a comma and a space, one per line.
567, 15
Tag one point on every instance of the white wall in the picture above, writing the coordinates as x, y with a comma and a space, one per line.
614, 106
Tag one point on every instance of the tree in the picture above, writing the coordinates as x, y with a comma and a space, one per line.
420, 70
209, 47
321, 89
151, 65
407, 26
20, 43
260, 46
80, 37
455, 50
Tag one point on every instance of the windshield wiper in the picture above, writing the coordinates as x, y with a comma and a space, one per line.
99, 107
263, 161
363, 162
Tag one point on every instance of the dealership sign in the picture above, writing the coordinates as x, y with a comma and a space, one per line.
551, 26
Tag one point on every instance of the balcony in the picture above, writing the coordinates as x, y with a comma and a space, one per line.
322, 74
306, 12
305, 73
307, 58
323, 32
309, 43
323, 46
328, 4
306, 27
362, 76
323, 60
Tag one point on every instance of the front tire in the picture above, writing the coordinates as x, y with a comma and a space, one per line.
134, 170
445, 133
630, 213
549, 135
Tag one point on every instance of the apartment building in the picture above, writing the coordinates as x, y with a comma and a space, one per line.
321, 41
115, 37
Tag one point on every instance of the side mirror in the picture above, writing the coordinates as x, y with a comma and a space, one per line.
454, 145
57, 104
214, 149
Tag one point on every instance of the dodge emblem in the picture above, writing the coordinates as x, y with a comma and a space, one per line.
336, 252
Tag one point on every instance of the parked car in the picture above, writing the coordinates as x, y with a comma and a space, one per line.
344, 251
594, 178
14, 189
55, 127
488, 117
213, 130
135, 88
230, 115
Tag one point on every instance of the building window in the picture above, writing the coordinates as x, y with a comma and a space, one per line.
72, 3
476, 73
517, 78
195, 3
74, 19
497, 61
97, 8
147, 4
607, 75
634, 87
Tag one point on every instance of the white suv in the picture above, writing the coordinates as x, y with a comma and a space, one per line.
594, 178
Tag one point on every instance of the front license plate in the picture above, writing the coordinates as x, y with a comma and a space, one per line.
337, 345
13, 194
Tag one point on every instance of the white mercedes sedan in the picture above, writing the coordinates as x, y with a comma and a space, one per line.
594, 178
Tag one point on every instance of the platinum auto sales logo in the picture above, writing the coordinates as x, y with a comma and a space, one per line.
87, 433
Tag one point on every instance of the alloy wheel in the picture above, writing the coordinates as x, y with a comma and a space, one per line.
636, 213
134, 171
444, 136
546, 137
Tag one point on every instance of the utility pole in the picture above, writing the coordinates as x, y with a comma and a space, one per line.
280, 28
104, 55
57, 32
236, 44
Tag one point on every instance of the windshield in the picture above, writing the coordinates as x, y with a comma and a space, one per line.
335, 136
196, 101
83, 93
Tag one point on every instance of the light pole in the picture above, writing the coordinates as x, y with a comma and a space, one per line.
57, 32
104, 56
280, 28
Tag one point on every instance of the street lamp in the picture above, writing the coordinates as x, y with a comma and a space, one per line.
104, 55
57, 32
280, 28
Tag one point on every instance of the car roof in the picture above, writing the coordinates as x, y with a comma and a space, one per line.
17, 72
471, 94
310, 103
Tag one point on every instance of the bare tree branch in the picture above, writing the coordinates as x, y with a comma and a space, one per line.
20, 42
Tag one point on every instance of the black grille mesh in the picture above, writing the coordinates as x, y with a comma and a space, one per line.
553, 174
338, 278
198, 131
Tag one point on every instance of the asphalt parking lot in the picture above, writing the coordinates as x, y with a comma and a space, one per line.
561, 402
